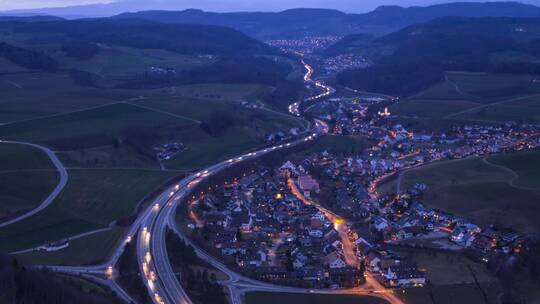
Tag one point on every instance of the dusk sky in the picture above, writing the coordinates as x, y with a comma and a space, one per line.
225, 5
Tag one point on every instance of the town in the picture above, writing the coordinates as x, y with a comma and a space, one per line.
318, 221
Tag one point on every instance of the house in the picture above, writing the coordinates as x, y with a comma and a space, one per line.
315, 233
333, 260
362, 247
482, 242
218, 219
307, 184
233, 248
272, 273
312, 274
379, 223
346, 276
372, 261
288, 168
409, 231
404, 275
344, 200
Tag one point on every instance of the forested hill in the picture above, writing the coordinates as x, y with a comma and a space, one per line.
397, 16
262, 25
416, 57
29, 18
181, 38
316, 22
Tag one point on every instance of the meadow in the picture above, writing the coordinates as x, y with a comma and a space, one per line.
501, 189
472, 98
89, 250
107, 175
93, 199
27, 179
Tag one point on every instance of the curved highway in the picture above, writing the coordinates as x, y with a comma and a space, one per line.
151, 226
59, 187
152, 254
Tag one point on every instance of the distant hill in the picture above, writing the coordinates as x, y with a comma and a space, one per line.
192, 53
181, 38
397, 16
314, 22
30, 18
287, 24
295, 23
416, 57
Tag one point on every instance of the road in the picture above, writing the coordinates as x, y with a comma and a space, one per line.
152, 251
151, 228
340, 225
56, 191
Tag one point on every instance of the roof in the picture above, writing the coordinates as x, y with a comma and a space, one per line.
306, 182
288, 166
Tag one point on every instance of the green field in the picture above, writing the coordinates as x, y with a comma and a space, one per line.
23, 191
22, 96
446, 268
472, 98
22, 157
451, 294
114, 61
221, 92
27, 177
293, 298
93, 199
90, 128
526, 166
481, 190
481, 87
89, 250
105, 136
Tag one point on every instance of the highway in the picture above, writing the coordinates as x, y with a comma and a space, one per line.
150, 228
56, 191
152, 251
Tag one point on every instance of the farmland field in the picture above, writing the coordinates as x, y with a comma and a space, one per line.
22, 157
486, 191
113, 61
93, 249
21, 96
108, 173
472, 98
93, 199
450, 294
27, 179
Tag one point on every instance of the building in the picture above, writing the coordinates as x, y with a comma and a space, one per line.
307, 184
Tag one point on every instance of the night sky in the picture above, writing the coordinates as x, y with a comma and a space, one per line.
225, 5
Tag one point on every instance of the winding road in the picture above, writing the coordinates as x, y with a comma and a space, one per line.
151, 226
56, 191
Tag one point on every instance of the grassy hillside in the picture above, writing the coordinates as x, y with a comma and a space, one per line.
472, 98
105, 131
297, 23
27, 177
415, 58
194, 39
501, 190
